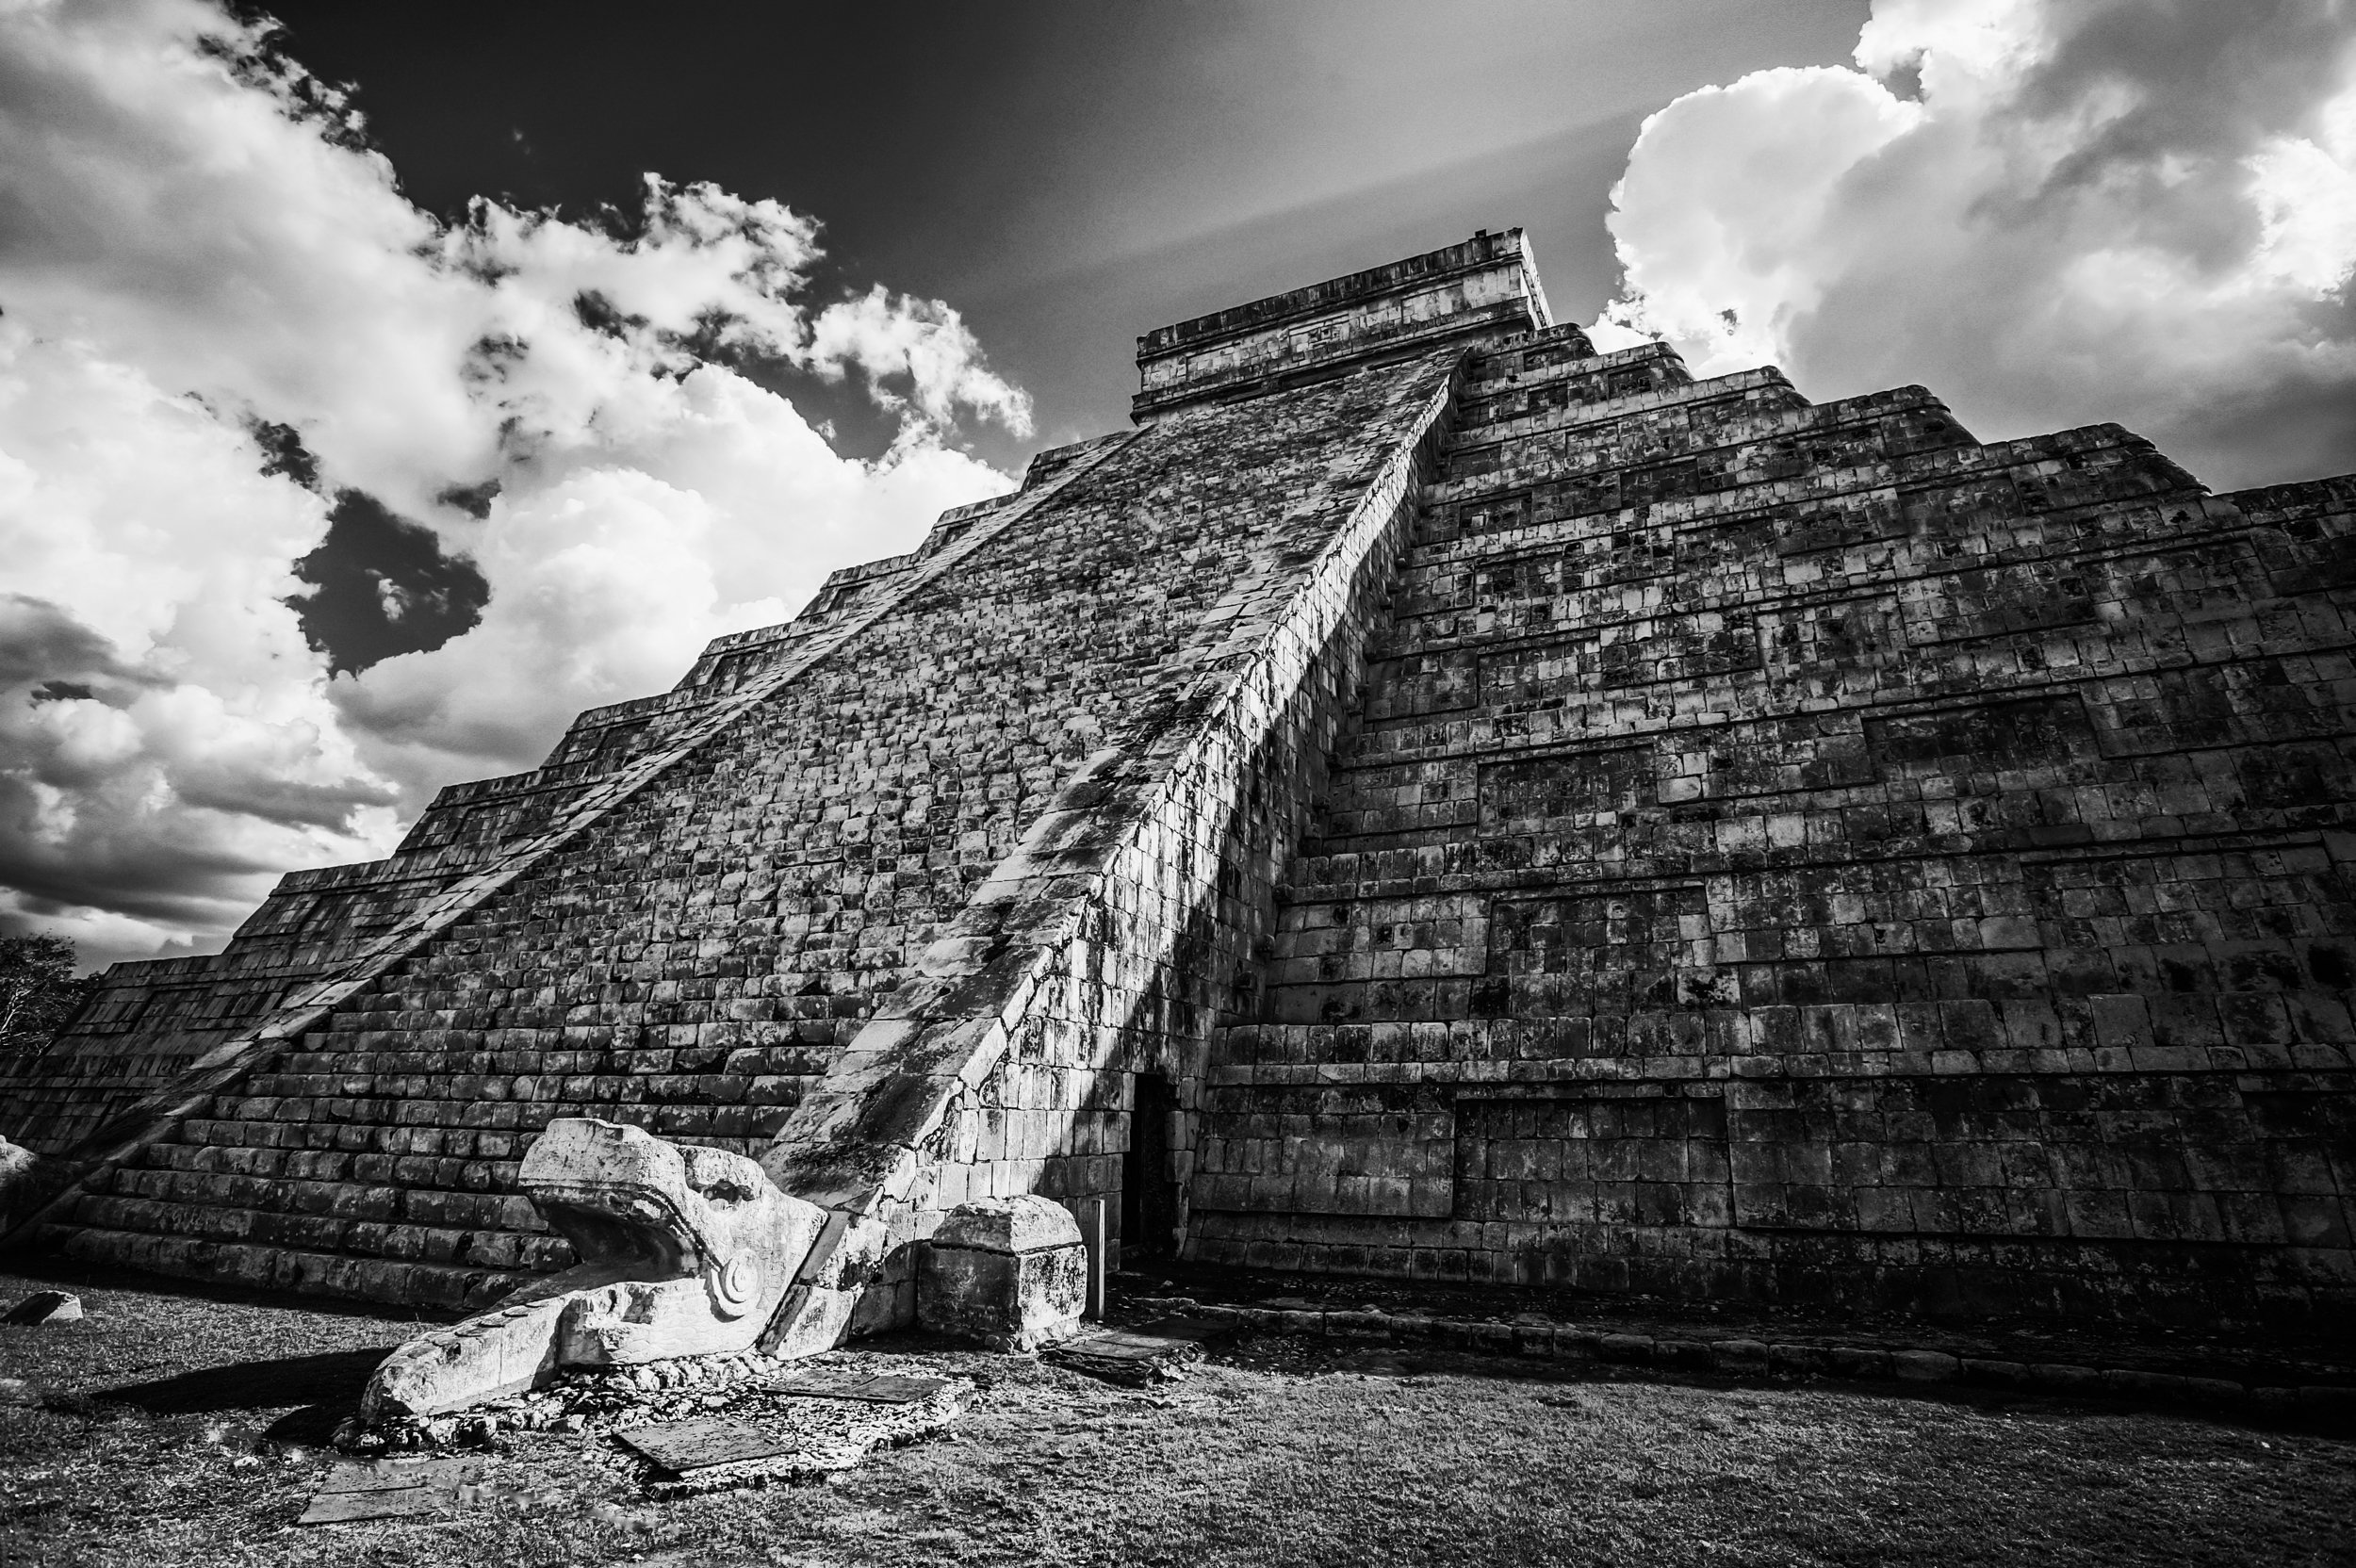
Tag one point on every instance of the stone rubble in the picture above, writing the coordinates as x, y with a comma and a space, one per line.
824, 1434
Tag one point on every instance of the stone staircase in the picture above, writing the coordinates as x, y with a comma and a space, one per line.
694, 965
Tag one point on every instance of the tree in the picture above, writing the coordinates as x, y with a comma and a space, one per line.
37, 991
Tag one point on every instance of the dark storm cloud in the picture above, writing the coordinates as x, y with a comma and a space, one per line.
58, 800
40, 641
382, 586
2198, 75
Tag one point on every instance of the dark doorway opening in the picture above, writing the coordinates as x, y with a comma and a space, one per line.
1149, 1198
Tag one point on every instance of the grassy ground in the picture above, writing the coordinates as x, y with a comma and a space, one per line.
176, 1429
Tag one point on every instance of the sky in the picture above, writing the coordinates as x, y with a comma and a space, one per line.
381, 386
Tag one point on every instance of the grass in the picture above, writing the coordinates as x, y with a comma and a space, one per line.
183, 1429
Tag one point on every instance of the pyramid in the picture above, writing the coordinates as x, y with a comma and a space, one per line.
1430, 800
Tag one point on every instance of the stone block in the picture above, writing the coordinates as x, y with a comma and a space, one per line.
1800, 1361
1749, 1356
1923, 1366
1851, 1361
1628, 1349
1010, 1272
1995, 1374
2064, 1377
45, 1306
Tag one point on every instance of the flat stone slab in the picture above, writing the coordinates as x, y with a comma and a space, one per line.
394, 1489
787, 1432
873, 1390
351, 1508
1115, 1345
684, 1446
1156, 1352
397, 1475
1202, 1331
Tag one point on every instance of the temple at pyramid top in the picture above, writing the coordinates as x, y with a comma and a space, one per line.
1430, 801
1486, 285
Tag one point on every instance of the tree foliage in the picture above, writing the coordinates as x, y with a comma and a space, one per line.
38, 989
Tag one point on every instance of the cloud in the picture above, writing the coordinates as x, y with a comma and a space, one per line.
2053, 212
165, 739
203, 268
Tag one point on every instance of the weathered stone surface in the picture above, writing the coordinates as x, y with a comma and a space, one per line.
685, 1251
1010, 1272
863, 1387
489, 1356
1024, 1224
1156, 1352
1544, 818
704, 1245
683, 1447
355, 1491
408, 1502
46, 1306
1801, 852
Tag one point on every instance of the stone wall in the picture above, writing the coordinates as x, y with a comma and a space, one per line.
1483, 289
1805, 853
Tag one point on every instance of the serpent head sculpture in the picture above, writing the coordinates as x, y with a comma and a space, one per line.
684, 1252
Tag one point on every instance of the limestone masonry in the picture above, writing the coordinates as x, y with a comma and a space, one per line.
1432, 800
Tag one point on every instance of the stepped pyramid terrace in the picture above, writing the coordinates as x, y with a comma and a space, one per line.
1430, 800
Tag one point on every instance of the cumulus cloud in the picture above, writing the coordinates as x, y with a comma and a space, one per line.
165, 735
2053, 212
199, 254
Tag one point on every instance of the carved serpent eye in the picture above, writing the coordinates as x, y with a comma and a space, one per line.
734, 1285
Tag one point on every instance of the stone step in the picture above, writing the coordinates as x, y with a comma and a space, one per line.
1552, 351
1658, 422
313, 1070
307, 1124
1919, 512
1644, 442
398, 1189
1683, 409
2053, 476
368, 1155
265, 1265
462, 1099
1543, 693
1532, 645
400, 1241
1741, 453
1490, 396
1660, 804
377, 1151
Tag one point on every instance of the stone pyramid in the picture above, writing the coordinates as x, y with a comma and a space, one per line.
1432, 800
